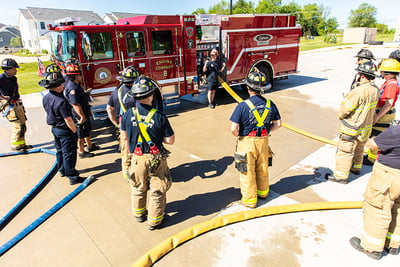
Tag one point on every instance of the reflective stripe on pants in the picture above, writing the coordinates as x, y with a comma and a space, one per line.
349, 156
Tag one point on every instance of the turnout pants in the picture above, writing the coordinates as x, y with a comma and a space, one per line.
349, 156
381, 125
156, 182
254, 181
125, 159
16, 116
381, 209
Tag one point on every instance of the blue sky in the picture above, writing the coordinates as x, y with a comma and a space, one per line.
388, 10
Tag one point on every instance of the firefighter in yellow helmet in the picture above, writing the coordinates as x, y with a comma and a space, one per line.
251, 122
385, 111
145, 130
356, 113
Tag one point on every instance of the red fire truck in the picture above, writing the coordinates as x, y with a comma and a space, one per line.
172, 49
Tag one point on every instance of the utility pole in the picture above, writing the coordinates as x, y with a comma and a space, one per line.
230, 8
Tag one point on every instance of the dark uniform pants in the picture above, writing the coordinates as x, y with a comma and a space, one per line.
381, 209
387, 120
65, 143
157, 182
16, 116
349, 156
254, 182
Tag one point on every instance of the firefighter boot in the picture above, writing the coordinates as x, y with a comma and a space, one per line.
355, 243
331, 177
393, 251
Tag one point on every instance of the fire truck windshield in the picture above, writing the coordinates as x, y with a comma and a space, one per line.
63, 45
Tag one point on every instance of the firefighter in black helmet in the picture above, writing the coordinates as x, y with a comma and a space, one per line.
144, 129
251, 122
11, 104
364, 55
59, 116
118, 103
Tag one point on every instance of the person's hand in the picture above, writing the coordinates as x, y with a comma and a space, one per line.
81, 120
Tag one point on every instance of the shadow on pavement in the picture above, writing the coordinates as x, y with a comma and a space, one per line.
200, 204
204, 168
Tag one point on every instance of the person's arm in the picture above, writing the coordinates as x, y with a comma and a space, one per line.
79, 111
388, 105
169, 140
70, 123
205, 66
111, 115
276, 125
124, 138
223, 67
371, 144
235, 129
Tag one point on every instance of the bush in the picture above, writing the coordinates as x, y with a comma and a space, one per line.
330, 39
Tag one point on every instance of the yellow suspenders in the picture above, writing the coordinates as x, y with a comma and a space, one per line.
142, 126
260, 119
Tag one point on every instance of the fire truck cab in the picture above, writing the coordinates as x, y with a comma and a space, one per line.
172, 49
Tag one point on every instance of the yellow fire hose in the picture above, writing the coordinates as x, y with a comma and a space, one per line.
172, 242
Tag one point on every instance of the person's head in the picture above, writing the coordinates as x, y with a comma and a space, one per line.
389, 68
10, 66
363, 55
368, 69
128, 75
73, 72
143, 87
214, 53
256, 81
395, 55
52, 81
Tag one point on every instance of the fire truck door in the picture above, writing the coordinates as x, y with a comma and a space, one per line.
166, 59
236, 56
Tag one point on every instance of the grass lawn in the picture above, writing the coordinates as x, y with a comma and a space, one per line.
28, 78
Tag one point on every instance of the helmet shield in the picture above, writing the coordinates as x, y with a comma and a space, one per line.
367, 68
257, 81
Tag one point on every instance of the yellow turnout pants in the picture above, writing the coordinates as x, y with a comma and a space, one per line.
255, 181
349, 156
16, 116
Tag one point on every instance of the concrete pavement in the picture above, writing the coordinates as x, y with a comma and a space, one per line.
97, 228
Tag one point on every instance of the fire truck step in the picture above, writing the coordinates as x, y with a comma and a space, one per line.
171, 99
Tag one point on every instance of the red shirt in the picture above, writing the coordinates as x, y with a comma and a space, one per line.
389, 90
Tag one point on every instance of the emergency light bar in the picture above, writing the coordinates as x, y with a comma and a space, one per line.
67, 21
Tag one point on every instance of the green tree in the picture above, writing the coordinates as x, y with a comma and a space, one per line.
269, 6
16, 42
382, 28
243, 7
363, 16
199, 11
310, 19
221, 8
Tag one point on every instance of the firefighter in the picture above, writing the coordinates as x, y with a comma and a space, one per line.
212, 68
381, 206
251, 122
356, 113
396, 55
59, 116
385, 111
145, 129
364, 55
11, 105
117, 105
79, 99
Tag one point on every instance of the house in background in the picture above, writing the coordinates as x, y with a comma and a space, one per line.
33, 23
111, 18
6, 34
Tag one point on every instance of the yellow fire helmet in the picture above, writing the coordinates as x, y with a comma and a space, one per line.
390, 65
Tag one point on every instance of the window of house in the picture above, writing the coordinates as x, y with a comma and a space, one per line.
1, 39
97, 45
161, 42
135, 45
42, 25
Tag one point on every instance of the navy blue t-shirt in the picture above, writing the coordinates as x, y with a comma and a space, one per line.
75, 94
245, 118
57, 109
158, 128
389, 143
9, 86
127, 100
